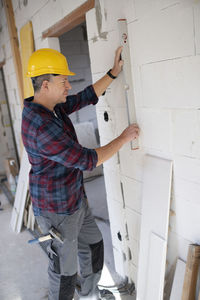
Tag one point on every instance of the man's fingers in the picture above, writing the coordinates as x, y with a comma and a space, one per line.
121, 62
118, 53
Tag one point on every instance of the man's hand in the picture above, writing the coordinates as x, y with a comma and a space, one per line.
107, 151
101, 85
130, 133
118, 62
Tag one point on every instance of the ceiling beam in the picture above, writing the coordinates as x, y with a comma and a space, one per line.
72, 20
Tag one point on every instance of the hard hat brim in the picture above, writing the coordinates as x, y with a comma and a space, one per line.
49, 71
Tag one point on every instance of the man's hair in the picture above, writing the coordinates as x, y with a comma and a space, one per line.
37, 81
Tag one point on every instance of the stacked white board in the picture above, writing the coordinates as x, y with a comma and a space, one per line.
21, 194
177, 287
154, 227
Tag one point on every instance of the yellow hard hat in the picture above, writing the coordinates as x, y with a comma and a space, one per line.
47, 61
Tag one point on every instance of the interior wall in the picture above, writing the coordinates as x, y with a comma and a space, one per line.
7, 149
165, 48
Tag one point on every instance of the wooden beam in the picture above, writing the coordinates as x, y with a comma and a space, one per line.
70, 21
14, 45
2, 63
191, 273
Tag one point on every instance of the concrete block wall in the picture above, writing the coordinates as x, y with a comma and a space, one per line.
6, 139
164, 47
112, 119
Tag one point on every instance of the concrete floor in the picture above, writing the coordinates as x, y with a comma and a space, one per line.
23, 267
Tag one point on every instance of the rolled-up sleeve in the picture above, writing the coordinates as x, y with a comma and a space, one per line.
56, 145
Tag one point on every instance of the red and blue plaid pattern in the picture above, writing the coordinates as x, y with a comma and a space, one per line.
57, 159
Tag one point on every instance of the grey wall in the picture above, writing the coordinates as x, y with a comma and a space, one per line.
74, 46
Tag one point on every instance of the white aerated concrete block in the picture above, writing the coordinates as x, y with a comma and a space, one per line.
113, 185
50, 14
5, 34
21, 16
119, 261
114, 96
187, 190
121, 117
186, 222
156, 129
8, 50
35, 6
165, 84
52, 42
133, 273
91, 22
116, 217
117, 9
2, 95
69, 6
107, 123
37, 29
187, 168
186, 133
9, 66
144, 7
101, 46
133, 221
133, 251
159, 36
3, 17
13, 81
15, 4
2, 55
132, 190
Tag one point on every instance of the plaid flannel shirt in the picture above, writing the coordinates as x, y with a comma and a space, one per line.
57, 159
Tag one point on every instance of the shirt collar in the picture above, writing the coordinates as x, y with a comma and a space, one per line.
28, 102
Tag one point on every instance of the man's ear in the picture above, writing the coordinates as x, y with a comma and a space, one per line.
45, 85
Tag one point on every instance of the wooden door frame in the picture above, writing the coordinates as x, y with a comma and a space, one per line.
75, 18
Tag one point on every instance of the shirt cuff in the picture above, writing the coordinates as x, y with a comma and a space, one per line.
94, 159
95, 99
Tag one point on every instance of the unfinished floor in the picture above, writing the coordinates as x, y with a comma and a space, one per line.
23, 267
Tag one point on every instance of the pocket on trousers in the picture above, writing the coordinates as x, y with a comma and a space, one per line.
54, 258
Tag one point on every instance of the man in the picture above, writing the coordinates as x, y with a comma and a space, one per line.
56, 178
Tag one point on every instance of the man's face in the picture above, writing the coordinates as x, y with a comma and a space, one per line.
58, 88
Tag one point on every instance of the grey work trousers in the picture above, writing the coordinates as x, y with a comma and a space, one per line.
81, 237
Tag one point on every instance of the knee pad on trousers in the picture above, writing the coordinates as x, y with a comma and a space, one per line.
67, 287
97, 256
